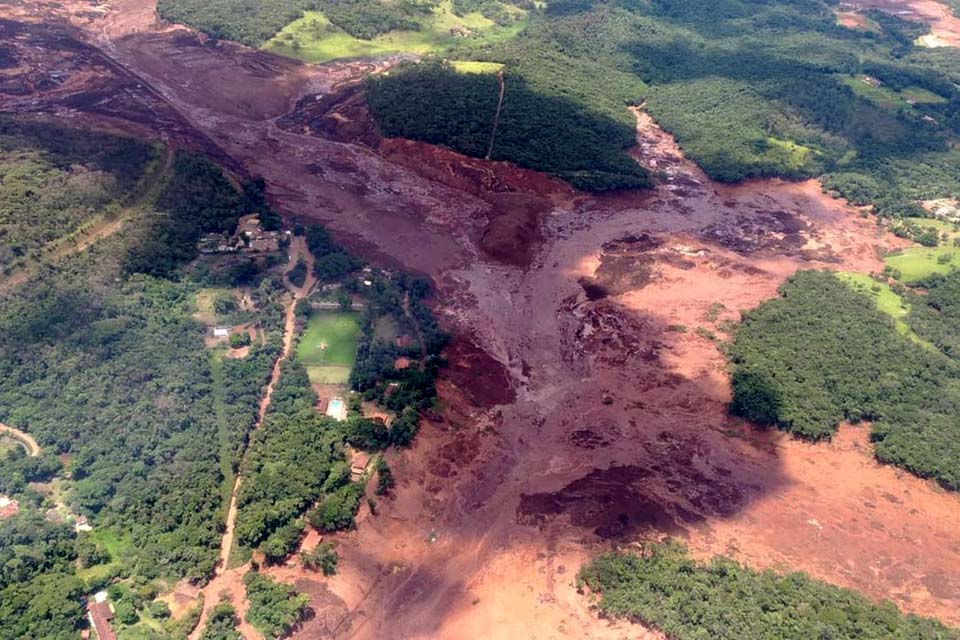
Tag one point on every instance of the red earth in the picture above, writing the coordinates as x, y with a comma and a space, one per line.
582, 408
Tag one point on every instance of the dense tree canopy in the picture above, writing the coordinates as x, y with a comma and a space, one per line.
723, 600
821, 354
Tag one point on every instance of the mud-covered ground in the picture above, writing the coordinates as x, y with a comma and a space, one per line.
584, 403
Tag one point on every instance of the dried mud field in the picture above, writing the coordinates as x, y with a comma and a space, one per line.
584, 402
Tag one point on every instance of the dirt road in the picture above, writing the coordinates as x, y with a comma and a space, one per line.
585, 402
27, 440
226, 579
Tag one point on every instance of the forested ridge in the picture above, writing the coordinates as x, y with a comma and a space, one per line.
749, 88
54, 180
687, 600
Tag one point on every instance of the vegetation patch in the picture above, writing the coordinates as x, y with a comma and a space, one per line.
251, 23
371, 28
275, 608
538, 131
888, 301
722, 599
822, 353
56, 181
913, 264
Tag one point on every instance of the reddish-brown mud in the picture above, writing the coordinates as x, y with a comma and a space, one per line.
944, 23
584, 402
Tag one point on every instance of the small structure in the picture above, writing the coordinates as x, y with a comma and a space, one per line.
358, 465
100, 614
250, 237
337, 409
221, 332
391, 389
257, 239
8, 507
401, 363
81, 525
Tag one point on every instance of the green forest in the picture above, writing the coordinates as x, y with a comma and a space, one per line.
140, 425
822, 353
719, 600
248, 21
749, 88
53, 181
547, 133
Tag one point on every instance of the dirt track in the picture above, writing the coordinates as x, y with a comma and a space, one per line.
577, 414
33, 449
229, 579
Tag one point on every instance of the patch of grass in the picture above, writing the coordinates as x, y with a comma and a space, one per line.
115, 546
314, 38
887, 301
205, 299
916, 263
470, 66
328, 374
888, 98
328, 347
385, 329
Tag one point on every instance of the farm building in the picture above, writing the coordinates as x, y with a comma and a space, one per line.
100, 614
8, 507
358, 465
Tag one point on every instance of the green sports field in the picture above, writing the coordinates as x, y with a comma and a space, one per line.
329, 346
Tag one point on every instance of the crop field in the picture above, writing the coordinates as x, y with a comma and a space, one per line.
313, 38
329, 347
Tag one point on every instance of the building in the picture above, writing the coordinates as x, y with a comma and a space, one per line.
100, 613
221, 332
81, 525
358, 465
250, 237
8, 507
337, 409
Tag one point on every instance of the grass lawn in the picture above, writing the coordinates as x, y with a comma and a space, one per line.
321, 41
916, 263
888, 98
205, 299
329, 346
469, 66
887, 301
115, 546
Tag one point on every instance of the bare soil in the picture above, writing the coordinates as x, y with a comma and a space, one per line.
581, 408
944, 24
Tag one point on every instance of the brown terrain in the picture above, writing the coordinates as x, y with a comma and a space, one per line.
944, 24
582, 408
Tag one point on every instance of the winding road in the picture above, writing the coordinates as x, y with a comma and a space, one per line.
33, 449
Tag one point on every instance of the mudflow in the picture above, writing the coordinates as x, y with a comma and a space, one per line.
576, 412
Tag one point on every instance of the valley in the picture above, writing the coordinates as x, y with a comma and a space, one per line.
584, 403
